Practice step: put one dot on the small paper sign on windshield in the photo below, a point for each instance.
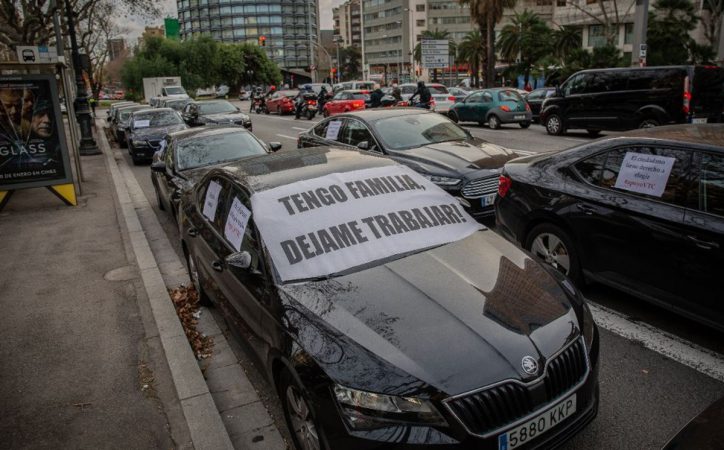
(141, 124)
(645, 174)
(333, 130)
(329, 224)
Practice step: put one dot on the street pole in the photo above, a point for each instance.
(641, 22)
(338, 79)
(312, 69)
(87, 144)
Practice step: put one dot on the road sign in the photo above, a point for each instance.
(434, 53)
(642, 51)
(36, 54)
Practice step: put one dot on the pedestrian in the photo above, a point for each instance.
(92, 101)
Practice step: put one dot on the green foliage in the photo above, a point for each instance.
(350, 63)
(471, 51)
(566, 39)
(200, 63)
(668, 33)
(526, 40)
(601, 57)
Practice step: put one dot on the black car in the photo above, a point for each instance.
(121, 119)
(429, 143)
(176, 104)
(378, 325)
(643, 213)
(146, 130)
(214, 112)
(635, 97)
(188, 154)
(535, 100)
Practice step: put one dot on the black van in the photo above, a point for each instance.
(635, 97)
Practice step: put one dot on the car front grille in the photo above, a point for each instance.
(154, 143)
(487, 411)
(481, 186)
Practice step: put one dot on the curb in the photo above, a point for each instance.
(204, 423)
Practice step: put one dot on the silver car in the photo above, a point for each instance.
(443, 99)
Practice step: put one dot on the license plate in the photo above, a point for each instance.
(701, 120)
(487, 200)
(519, 117)
(538, 425)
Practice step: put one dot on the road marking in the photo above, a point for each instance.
(287, 137)
(680, 350)
(301, 129)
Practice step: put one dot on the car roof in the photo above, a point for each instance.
(264, 172)
(709, 134)
(383, 113)
(356, 91)
(218, 100)
(156, 110)
(206, 131)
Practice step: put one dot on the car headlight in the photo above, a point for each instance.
(442, 181)
(366, 410)
(138, 143)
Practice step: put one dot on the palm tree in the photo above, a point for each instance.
(487, 13)
(566, 39)
(527, 39)
(472, 51)
(437, 34)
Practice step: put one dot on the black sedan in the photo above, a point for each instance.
(146, 130)
(643, 213)
(214, 112)
(384, 316)
(187, 155)
(535, 100)
(429, 143)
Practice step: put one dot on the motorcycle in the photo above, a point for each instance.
(309, 108)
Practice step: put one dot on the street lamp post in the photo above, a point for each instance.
(82, 111)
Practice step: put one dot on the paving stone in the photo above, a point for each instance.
(266, 438)
(246, 418)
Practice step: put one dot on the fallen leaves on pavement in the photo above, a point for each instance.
(186, 301)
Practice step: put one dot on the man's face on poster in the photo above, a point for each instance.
(41, 124)
(11, 105)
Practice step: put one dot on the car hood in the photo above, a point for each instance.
(442, 318)
(157, 132)
(225, 117)
(459, 157)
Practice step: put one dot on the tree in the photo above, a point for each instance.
(526, 39)
(580, 59)
(438, 35)
(712, 20)
(668, 36)
(472, 51)
(350, 62)
(607, 13)
(487, 13)
(566, 39)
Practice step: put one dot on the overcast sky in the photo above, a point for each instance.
(135, 25)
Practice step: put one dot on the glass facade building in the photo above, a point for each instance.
(284, 23)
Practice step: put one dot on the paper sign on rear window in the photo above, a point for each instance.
(333, 130)
(326, 225)
(212, 200)
(236, 223)
(645, 174)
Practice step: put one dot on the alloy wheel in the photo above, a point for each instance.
(194, 274)
(649, 123)
(493, 122)
(551, 249)
(302, 422)
(553, 125)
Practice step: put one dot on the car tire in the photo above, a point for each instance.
(524, 125)
(554, 125)
(649, 122)
(452, 115)
(594, 133)
(136, 160)
(195, 278)
(553, 246)
(158, 199)
(325, 113)
(299, 414)
(493, 122)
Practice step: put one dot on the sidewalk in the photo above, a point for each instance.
(82, 366)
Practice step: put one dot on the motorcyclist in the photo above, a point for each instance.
(322, 98)
(424, 94)
(300, 99)
(397, 92)
(262, 102)
(376, 98)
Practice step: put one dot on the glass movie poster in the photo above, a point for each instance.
(32, 142)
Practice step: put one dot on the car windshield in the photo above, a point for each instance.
(509, 96)
(177, 105)
(416, 130)
(438, 90)
(216, 107)
(175, 90)
(156, 119)
(360, 96)
(125, 115)
(203, 151)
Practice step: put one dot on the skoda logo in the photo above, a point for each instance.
(530, 366)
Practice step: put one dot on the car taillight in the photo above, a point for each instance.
(505, 108)
(687, 96)
(504, 184)
(451, 99)
(358, 103)
(527, 107)
(311, 102)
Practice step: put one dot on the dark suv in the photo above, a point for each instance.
(628, 98)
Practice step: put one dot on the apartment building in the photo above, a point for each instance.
(348, 23)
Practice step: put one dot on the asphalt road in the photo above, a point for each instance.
(646, 397)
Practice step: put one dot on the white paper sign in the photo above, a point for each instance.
(646, 174)
(326, 225)
(212, 200)
(236, 223)
(141, 124)
(333, 130)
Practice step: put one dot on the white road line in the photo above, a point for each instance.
(301, 129)
(680, 350)
(287, 137)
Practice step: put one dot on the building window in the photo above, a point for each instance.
(560, 3)
(628, 33)
(420, 22)
(543, 2)
(596, 36)
(419, 8)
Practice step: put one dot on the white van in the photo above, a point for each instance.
(368, 85)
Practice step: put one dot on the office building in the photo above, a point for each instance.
(348, 23)
(116, 48)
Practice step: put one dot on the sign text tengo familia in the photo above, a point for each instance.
(325, 225)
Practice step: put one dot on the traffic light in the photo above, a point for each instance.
(262, 41)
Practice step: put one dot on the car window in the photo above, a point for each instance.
(238, 229)
(509, 96)
(438, 90)
(338, 96)
(355, 132)
(210, 201)
(711, 184)
(217, 148)
(475, 98)
(607, 82)
(590, 169)
(487, 97)
(321, 129)
(577, 84)
(649, 172)
(168, 156)
(535, 95)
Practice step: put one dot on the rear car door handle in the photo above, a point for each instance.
(706, 245)
(588, 210)
(193, 232)
(217, 266)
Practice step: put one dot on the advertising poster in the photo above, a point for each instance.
(33, 149)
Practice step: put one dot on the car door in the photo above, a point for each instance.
(337, 104)
(628, 238)
(163, 179)
(704, 231)
(248, 290)
(574, 92)
(355, 132)
(465, 109)
(174, 180)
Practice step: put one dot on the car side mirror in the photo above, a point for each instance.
(364, 145)
(275, 146)
(158, 166)
(239, 260)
